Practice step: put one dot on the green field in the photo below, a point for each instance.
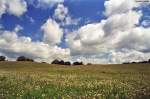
(29, 80)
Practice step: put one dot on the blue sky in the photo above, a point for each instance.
(87, 10)
(81, 14)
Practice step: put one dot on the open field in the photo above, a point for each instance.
(29, 80)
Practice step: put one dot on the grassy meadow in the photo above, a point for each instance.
(30, 80)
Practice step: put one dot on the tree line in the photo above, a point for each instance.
(58, 62)
(140, 62)
(61, 62)
(20, 58)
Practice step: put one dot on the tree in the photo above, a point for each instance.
(77, 63)
(2, 58)
(55, 61)
(67, 63)
(149, 61)
(23, 58)
(61, 62)
(30, 60)
(89, 64)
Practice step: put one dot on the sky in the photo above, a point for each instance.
(92, 31)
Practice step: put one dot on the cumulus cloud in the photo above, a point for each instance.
(44, 3)
(146, 22)
(114, 40)
(126, 55)
(18, 28)
(117, 7)
(15, 7)
(61, 13)
(13, 46)
(52, 32)
(71, 21)
(3, 7)
(136, 39)
(49, 3)
(85, 39)
(122, 22)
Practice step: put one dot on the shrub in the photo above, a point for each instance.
(89, 64)
(77, 63)
(61, 62)
(67, 63)
(28, 59)
(23, 58)
(149, 61)
(55, 61)
(2, 58)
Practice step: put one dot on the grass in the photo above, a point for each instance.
(29, 80)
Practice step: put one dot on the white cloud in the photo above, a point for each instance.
(122, 22)
(48, 2)
(136, 39)
(18, 28)
(119, 6)
(2, 7)
(13, 46)
(116, 39)
(45, 3)
(128, 56)
(69, 20)
(15, 7)
(146, 23)
(52, 32)
(86, 40)
(31, 20)
(61, 13)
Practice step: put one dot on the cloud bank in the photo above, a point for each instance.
(12, 46)
(52, 32)
(116, 39)
(14, 7)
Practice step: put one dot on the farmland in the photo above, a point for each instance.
(30, 80)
